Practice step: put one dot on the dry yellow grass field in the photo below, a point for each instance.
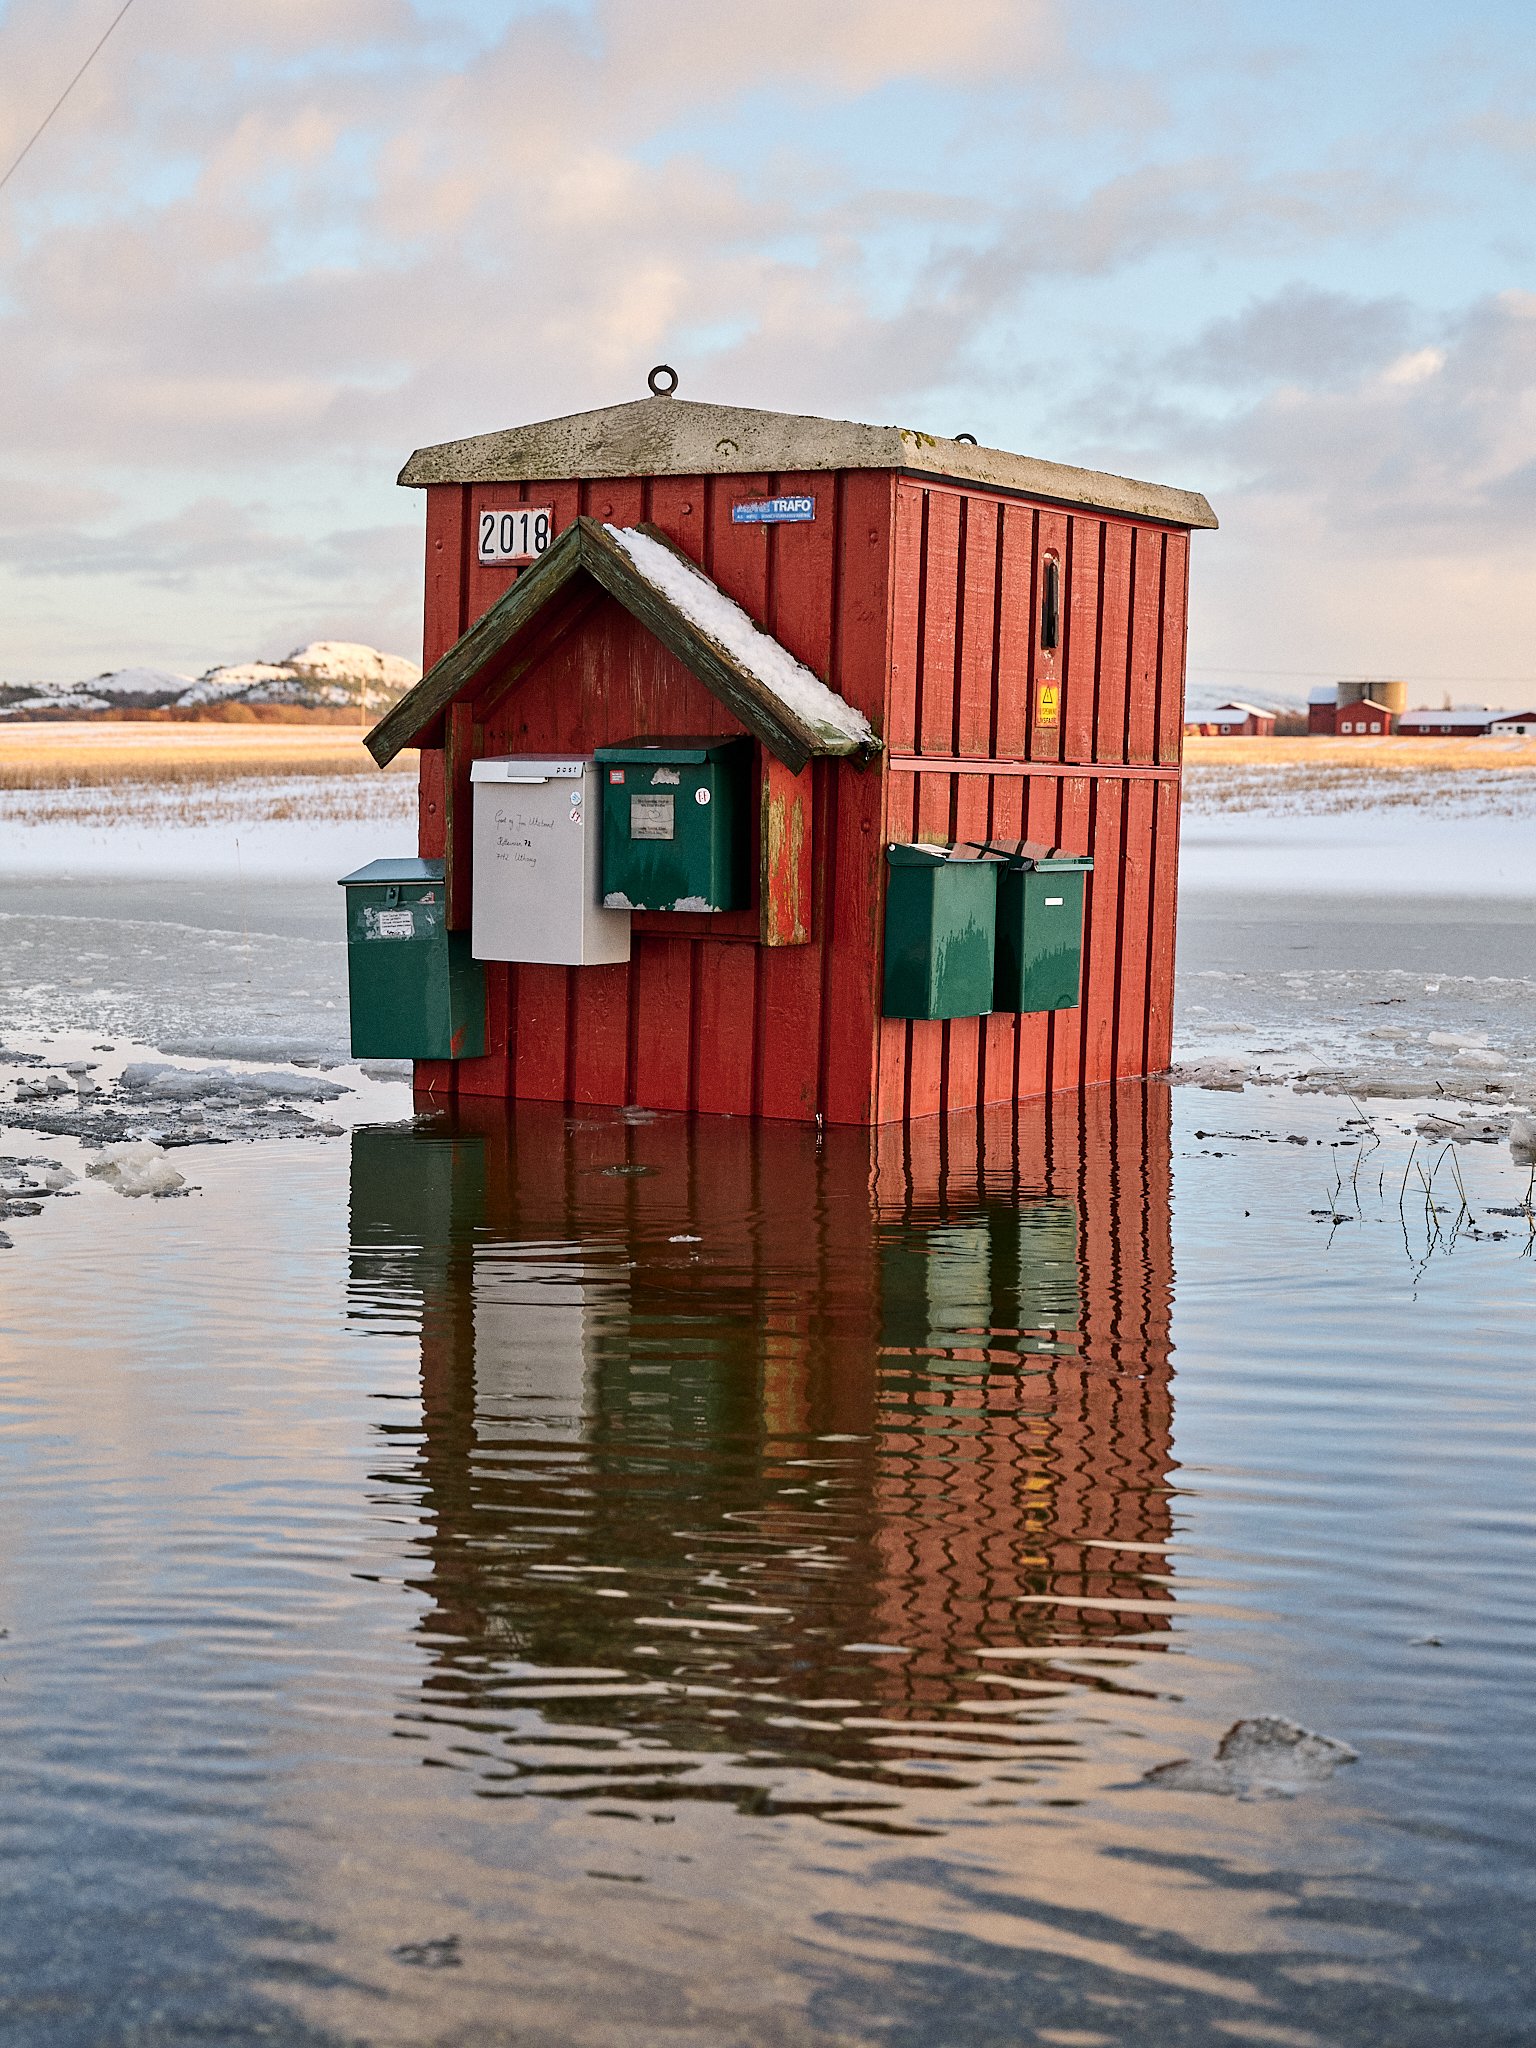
(1379, 756)
(99, 755)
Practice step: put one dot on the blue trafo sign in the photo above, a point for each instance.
(772, 511)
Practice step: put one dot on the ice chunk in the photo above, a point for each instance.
(252, 1047)
(1475, 1057)
(141, 1169)
(1228, 1074)
(1522, 1140)
(1265, 1758)
(154, 1080)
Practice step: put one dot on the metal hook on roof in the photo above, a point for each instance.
(663, 381)
(968, 439)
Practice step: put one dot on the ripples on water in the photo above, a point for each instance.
(592, 1580)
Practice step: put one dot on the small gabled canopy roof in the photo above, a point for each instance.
(793, 713)
(677, 437)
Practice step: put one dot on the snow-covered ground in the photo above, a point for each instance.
(1371, 932)
(1368, 947)
(1396, 850)
(308, 827)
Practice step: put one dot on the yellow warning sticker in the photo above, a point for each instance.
(1048, 704)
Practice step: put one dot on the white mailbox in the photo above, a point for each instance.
(538, 832)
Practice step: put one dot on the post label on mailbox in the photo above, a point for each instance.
(651, 817)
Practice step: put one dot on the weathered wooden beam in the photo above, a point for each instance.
(475, 650)
(587, 547)
(740, 693)
(784, 853)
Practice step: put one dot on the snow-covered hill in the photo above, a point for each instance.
(329, 675)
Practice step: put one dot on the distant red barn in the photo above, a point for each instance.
(1465, 721)
(1363, 719)
(1010, 636)
(1248, 720)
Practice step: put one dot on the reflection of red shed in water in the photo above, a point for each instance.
(1001, 1432)
(1012, 631)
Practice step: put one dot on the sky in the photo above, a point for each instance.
(1285, 255)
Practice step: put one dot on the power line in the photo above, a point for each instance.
(64, 95)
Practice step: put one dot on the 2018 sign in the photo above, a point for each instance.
(519, 534)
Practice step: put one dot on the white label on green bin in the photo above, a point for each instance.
(650, 817)
(395, 924)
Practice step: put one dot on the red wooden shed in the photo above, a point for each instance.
(998, 647)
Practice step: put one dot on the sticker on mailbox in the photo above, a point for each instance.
(650, 817)
(393, 924)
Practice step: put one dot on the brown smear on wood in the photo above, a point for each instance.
(785, 883)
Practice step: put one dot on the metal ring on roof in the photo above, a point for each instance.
(662, 380)
(968, 439)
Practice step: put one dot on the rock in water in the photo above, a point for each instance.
(1265, 1758)
(141, 1169)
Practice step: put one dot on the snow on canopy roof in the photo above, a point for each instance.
(678, 437)
(820, 709)
(793, 713)
(1247, 710)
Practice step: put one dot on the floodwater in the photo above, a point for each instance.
(583, 1579)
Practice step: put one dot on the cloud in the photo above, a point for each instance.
(271, 246)
(28, 504)
(1382, 522)
(1436, 443)
(1301, 335)
(213, 535)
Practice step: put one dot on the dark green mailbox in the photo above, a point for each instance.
(416, 992)
(677, 824)
(1039, 928)
(940, 920)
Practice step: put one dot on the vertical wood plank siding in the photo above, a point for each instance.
(921, 604)
(703, 1017)
(966, 676)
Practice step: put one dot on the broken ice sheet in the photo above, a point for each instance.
(136, 1169)
(152, 1079)
(1265, 1758)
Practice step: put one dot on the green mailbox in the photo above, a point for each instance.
(416, 992)
(940, 921)
(677, 824)
(1039, 927)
